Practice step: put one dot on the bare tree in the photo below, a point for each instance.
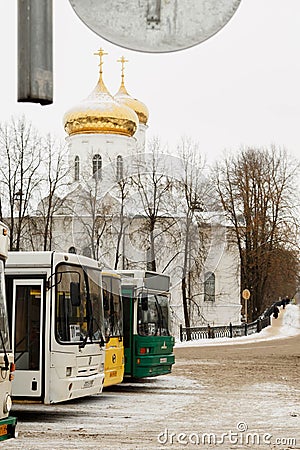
(91, 217)
(54, 178)
(120, 190)
(153, 187)
(194, 189)
(123, 193)
(21, 155)
(283, 274)
(257, 191)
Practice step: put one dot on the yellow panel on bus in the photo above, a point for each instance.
(114, 361)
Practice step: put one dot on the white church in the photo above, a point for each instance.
(105, 133)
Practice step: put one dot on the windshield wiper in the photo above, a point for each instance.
(6, 361)
(102, 340)
(89, 314)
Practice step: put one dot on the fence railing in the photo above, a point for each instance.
(230, 331)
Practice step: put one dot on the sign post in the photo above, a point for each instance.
(246, 295)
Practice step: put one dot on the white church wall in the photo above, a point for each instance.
(109, 147)
(140, 137)
(226, 307)
(222, 260)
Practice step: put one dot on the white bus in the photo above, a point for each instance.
(57, 328)
(7, 423)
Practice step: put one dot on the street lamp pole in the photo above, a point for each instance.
(35, 59)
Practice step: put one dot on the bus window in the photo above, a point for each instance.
(153, 321)
(77, 321)
(71, 324)
(106, 305)
(95, 289)
(112, 306)
(117, 322)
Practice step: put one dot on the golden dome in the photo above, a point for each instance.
(100, 113)
(124, 98)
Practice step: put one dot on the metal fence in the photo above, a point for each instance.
(230, 331)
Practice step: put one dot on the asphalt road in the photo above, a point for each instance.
(243, 396)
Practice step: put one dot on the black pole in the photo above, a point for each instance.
(258, 325)
(35, 51)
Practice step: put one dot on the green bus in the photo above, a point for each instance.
(148, 344)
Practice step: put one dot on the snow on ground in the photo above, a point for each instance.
(287, 324)
(210, 392)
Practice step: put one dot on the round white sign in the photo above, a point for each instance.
(155, 26)
(246, 294)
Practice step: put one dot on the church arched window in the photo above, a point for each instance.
(209, 287)
(97, 167)
(76, 168)
(119, 167)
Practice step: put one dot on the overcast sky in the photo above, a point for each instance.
(240, 87)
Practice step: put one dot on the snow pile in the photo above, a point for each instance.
(291, 319)
(288, 326)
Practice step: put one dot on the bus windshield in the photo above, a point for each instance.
(4, 341)
(79, 312)
(153, 315)
(113, 314)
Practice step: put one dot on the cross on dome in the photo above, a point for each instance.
(122, 60)
(100, 53)
(123, 97)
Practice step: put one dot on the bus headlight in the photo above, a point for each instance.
(7, 403)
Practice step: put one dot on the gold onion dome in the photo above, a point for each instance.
(100, 113)
(124, 98)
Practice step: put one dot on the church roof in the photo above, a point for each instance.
(101, 113)
(124, 98)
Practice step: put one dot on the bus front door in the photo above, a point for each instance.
(128, 305)
(27, 337)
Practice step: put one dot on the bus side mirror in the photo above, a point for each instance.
(144, 304)
(75, 293)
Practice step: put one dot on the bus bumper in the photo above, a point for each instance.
(113, 376)
(147, 366)
(8, 428)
